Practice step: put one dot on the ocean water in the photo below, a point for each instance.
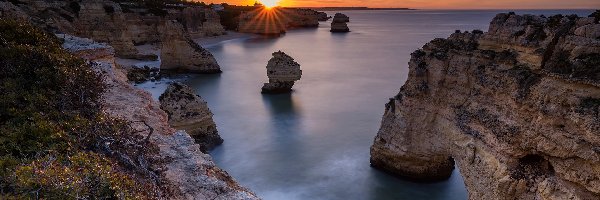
(314, 143)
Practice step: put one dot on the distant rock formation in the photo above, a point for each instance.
(517, 108)
(322, 16)
(201, 22)
(188, 111)
(124, 25)
(339, 23)
(282, 71)
(180, 53)
(182, 170)
(276, 21)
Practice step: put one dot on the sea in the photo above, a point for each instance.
(314, 143)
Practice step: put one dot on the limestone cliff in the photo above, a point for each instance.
(201, 22)
(517, 108)
(188, 111)
(182, 170)
(125, 27)
(282, 71)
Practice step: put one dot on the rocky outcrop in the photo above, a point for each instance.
(322, 16)
(107, 21)
(339, 23)
(282, 71)
(182, 170)
(180, 53)
(517, 109)
(276, 21)
(188, 111)
(201, 22)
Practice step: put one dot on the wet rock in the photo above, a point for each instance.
(282, 71)
(188, 111)
(143, 74)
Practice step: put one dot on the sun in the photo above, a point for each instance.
(270, 3)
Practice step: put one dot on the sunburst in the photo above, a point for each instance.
(270, 3)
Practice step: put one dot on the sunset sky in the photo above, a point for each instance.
(441, 4)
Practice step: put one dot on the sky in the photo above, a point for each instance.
(440, 4)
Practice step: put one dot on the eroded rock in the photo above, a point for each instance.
(180, 53)
(182, 171)
(188, 111)
(282, 71)
(339, 23)
(517, 108)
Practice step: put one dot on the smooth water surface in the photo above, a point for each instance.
(314, 143)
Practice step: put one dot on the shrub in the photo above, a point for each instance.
(51, 124)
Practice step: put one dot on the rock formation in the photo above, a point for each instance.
(188, 111)
(322, 16)
(182, 170)
(282, 71)
(517, 108)
(180, 53)
(339, 23)
(201, 22)
(124, 27)
(276, 21)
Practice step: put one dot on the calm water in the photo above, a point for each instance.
(314, 143)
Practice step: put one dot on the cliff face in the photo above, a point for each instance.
(517, 108)
(188, 111)
(180, 53)
(182, 170)
(106, 21)
(201, 22)
(276, 21)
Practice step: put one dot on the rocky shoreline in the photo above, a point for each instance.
(516, 108)
(184, 170)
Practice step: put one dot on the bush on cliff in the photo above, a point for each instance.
(51, 126)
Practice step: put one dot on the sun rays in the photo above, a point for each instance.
(266, 20)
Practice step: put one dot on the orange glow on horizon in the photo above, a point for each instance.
(270, 3)
(426, 4)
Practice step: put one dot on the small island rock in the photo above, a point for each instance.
(188, 111)
(338, 24)
(282, 71)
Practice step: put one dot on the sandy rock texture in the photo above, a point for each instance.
(517, 108)
(188, 111)
(282, 71)
(183, 171)
(180, 53)
(125, 27)
(339, 23)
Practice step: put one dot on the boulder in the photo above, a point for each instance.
(282, 71)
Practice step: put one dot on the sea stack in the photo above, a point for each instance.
(180, 53)
(188, 111)
(282, 71)
(338, 24)
(517, 109)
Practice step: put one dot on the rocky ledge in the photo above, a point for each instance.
(188, 111)
(517, 108)
(180, 168)
(339, 23)
(282, 71)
